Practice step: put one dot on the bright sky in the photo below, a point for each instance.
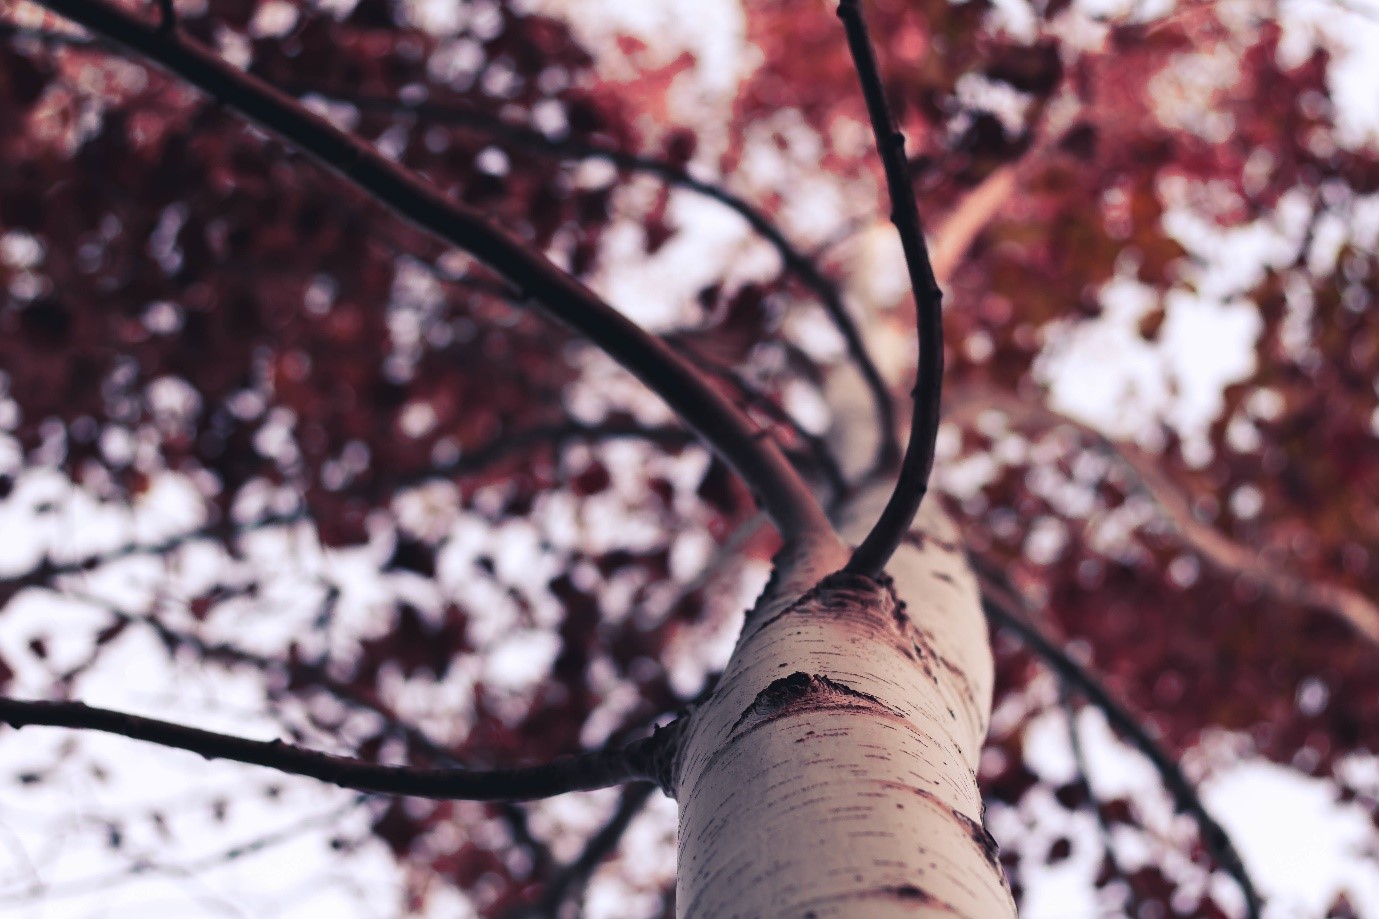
(1303, 848)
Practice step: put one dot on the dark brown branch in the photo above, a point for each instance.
(502, 447)
(537, 435)
(815, 446)
(878, 546)
(355, 697)
(167, 16)
(571, 879)
(1084, 777)
(44, 573)
(800, 264)
(640, 761)
(102, 882)
(722, 426)
(1007, 609)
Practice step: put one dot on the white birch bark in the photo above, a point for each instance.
(833, 772)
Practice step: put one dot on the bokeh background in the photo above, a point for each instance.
(273, 462)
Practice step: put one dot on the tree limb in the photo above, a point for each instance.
(794, 261)
(913, 481)
(1007, 609)
(722, 425)
(1216, 547)
(637, 762)
(103, 882)
(571, 879)
(802, 265)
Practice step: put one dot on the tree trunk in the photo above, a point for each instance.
(833, 773)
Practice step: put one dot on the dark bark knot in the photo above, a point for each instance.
(654, 757)
(912, 894)
(801, 692)
(984, 840)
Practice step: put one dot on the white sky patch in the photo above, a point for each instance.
(1351, 31)
(1302, 846)
(1103, 371)
(717, 40)
(659, 291)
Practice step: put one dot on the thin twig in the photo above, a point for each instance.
(802, 265)
(103, 882)
(1149, 480)
(762, 464)
(794, 261)
(582, 772)
(167, 17)
(571, 879)
(878, 546)
(319, 675)
(44, 573)
(1084, 774)
(816, 447)
(1007, 609)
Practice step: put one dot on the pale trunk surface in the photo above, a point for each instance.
(833, 773)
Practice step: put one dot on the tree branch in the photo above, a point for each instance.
(1216, 547)
(794, 261)
(1007, 609)
(876, 549)
(167, 16)
(103, 882)
(802, 265)
(722, 425)
(639, 761)
(353, 696)
(571, 879)
(45, 572)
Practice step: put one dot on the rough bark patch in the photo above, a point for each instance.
(800, 692)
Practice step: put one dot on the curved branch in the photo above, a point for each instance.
(1216, 547)
(794, 261)
(44, 573)
(801, 265)
(637, 762)
(878, 546)
(571, 879)
(1007, 609)
(102, 882)
(721, 424)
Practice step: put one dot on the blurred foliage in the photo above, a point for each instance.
(185, 296)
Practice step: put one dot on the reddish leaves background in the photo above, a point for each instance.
(184, 294)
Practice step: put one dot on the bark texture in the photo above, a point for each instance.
(833, 773)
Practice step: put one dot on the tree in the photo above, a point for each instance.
(390, 474)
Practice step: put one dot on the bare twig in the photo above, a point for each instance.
(1216, 547)
(815, 446)
(876, 549)
(1084, 775)
(43, 574)
(1007, 609)
(637, 762)
(99, 883)
(527, 438)
(167, 17)
(355, 697)
(802, 265)
(722, 425)
(571, 879)
(796, 262)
